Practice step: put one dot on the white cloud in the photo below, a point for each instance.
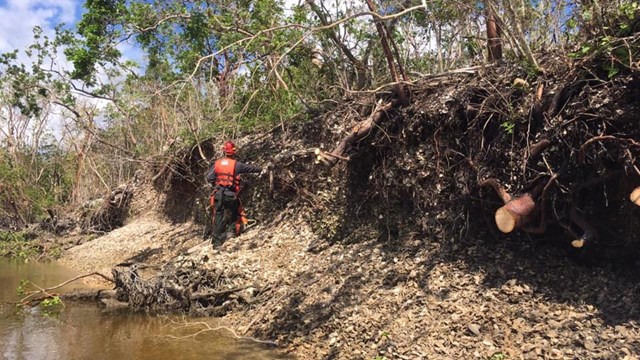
(18, 17)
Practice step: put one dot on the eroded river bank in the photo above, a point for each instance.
(83, 330)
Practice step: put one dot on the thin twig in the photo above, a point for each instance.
(208, 328)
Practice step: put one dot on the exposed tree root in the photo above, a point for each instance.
(502, 193)
(358, 132)
(112, 212)
(182, 286)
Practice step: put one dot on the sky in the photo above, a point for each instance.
(18, 17)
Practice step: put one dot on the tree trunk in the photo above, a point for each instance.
(361, 68)
(494, 32)
(388, 55)
(81, 157)
(438, 31)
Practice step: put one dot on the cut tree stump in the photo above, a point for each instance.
(635, 196)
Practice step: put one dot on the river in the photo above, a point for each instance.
(77, 330)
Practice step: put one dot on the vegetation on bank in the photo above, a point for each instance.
(16, 245)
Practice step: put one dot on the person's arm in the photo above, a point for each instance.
(211, 175)
(242, 168)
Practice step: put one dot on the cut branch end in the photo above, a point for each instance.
(578, 243)
(635, 196)
(506, 220)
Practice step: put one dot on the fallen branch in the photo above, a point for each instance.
(47, 290)
(286, 154)
(212, 294)
(471, 70)
(322, 156)
(516, 212)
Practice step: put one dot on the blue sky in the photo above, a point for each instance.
(18, 17)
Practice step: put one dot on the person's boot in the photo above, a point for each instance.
(217, 240)
(230, 235)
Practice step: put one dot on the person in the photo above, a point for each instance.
(224, 175)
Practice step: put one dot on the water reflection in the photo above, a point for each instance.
(84, 331)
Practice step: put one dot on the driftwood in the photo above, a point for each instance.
(47, 291)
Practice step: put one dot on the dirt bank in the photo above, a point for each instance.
(394, 252)
(419, 301)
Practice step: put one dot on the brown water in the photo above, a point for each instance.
(85, 331)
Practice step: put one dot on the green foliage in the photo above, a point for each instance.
(498, 356)
(22, 286)
(51, 302)
(51, 306)
(98, 26)
(17, 246)
(380, 357)
(606, 43)
(39, 180)
(508, 127)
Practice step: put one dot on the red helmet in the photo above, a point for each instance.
(229, 148)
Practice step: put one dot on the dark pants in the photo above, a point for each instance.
(224, 201)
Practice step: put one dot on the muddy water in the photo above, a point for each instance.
(85, 331)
